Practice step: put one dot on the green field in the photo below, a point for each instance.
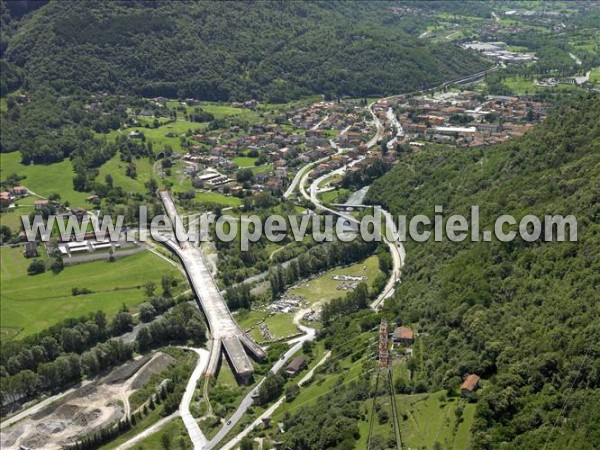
(177, 436)
(226, 376)
(332, 196)
(595, 75)
(324, 287)
(32, 303)
(158, 135)
(321, 384)
(12, 217)
(116, 168)
(517, 48)
(250, 318)
(146, 422)
(424, 420)
(44, 179)
(520, 85)
(245, 161)
(280, 326)
(215, 197)
(145, 171)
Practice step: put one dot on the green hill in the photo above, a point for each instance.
(523, 315)
(227, 50)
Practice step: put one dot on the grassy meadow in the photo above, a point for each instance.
(44, 179)
(32, 303)
(324, 288)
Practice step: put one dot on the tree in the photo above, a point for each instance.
(165, 440)
(246, 444)
(122, 323)
(149, 289)
(36, 267)
(151, 186)
(144, 339)
(383, 416)
(307, 347)
(147, 312)
(244, 175)
(57, 264)
(291, 392)
(5, 233)
(270, 388)
(166, 282)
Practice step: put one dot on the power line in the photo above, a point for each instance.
(564, 408)
(384, 367)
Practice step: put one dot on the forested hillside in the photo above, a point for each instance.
(524, 316)
(226, 50)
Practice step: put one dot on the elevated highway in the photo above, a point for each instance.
(226, 333)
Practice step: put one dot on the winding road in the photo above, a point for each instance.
(309, 335)
(396, 247)
(269, 412)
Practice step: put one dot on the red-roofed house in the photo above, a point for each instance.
(403, 335)
(4, 199)
(470, 385)
(19, 191)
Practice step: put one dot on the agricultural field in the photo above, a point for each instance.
(43, 179)
(33, 303)
(324, 288)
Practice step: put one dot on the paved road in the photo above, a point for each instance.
(248, 400)
(398, 255)
(316, 127)
(226, 333)
(269, 412)
(306, 169)
(396, 248)
(196, 435)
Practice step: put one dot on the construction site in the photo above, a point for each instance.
(87, 409)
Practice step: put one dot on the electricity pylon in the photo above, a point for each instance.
(385, 369)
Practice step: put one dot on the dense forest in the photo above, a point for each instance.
(225, 50)
(522, 315)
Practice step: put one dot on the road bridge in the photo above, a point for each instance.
(227, 335)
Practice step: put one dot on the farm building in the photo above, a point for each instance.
(470, 385)
(403, 335)
(297, 364)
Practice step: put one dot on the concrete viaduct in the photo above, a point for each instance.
(226, 333)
